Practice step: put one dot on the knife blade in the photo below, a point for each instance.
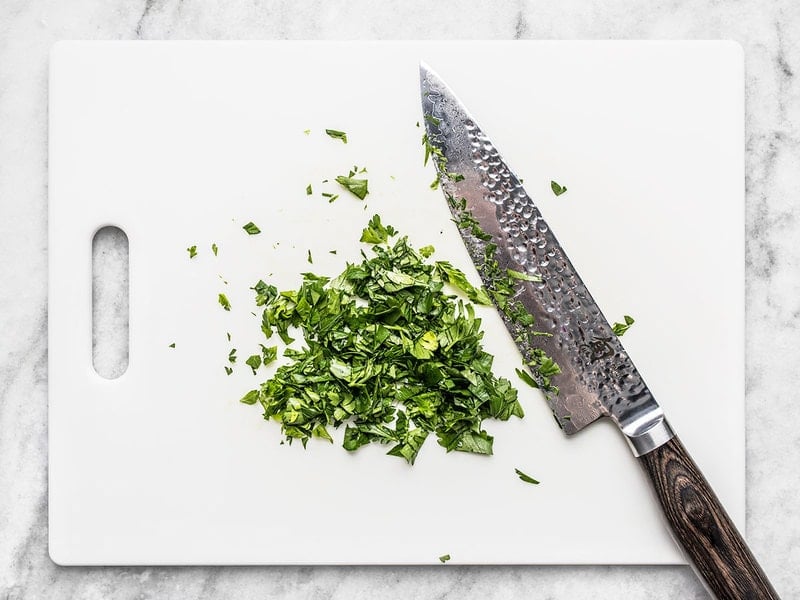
(528, 274)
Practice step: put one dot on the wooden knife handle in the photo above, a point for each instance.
(702, 527)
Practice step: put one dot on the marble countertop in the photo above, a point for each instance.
(772, 54)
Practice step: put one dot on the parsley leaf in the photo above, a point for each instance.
(357, 187)
(526, 478)
(192, 250)
(444, 558)
(223, 302)
(254, 362)
(309, 191)
(375, 232)
(619, 329)
(214, 249)
(457, 278)
(251, 228)
(338, 135)
(557, 189)
(172, 345)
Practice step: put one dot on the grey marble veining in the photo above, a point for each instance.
(768, 32)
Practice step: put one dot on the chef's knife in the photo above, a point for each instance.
(513, 247)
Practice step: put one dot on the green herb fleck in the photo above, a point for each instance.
(214, 249)
(192, 250)
(526, 478)
(338, 135)
(251, 228)
(309, 258)
(457, 278)
(307, 131)
(522, 276)
(268, 354)
(228, 370)
(251, 397)
(232, 356)
(557, 189)
(619, 329)
(223, 302)
(172, 345)
(229, 336)
(444, 558)
(309, 191)
(357, 187)
(427, 251)
(375, 232)
(254, 362)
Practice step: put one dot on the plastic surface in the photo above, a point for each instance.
(183, 143)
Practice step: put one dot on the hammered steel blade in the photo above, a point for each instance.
(597, 377)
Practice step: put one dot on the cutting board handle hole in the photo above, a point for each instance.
(110, 302)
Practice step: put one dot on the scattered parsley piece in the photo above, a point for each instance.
(375, 232)
(357, 187)
(557, 189)
(526, 478)
(427, 251)
(268, 354)
(250, 397)
(192, 250)
(251, 228)
(229, 336)
(337, 135)
(214, 249)
(307, 131)
(619, 329)
(526, 377)
(444, 558)
(309, 259)
(522, 276)
(457, 278)
(254, 362)
(228, 370)
(331, 251)
(309, 191)
(172, 345)
(232, 356)
(223, 302)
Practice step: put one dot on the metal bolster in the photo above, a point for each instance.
(648, 432)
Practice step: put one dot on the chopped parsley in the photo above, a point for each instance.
(357, 187)
(557, 189)
(309, 259)
(619, 329)
(223, 302)
(228, 370)
(375, 232)
(526, 478)
(232, 356)
(254, 362)
(172, 345)
(444, 558)
(307, 131)
(386, 352)
(192, 250)
(337, 135)
(309, 191)
(251, 228)
(214, 249)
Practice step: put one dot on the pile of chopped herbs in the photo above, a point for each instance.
(387, 352)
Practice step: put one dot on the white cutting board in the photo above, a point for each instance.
(183, 143)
